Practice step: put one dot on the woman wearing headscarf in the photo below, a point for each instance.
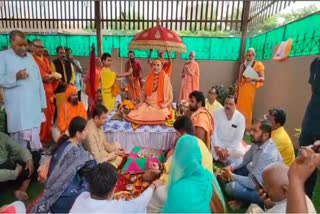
(190, 187)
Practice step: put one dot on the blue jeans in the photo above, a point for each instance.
(242, 193)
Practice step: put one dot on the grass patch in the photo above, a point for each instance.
(7, 196)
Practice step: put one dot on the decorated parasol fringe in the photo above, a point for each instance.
(158, 37)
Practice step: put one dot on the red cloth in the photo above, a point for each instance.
(92, 72)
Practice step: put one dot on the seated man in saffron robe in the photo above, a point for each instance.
(158, 98)
(70, 109)
(201, 118)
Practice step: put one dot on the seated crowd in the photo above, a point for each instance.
(82, 169)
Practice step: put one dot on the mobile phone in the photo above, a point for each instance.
(315, 146)
(255, 181)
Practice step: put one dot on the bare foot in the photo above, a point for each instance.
(235, 205)
(21, 196)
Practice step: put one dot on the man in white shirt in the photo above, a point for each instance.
(275, 191)
(102, 181)
(229, 127)
(212, 104)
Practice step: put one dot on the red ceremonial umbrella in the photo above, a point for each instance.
(160, 38)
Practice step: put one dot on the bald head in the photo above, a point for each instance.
(275, 181)
(277, 173)
(192, 55)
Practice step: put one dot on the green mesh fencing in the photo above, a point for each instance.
(4, 41)
(205, 48)
(212, 48)
(305, 34)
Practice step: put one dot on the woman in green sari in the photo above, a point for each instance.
(190, 185)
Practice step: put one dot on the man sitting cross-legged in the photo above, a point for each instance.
(96, 142)
(261, 154)
(227, 136)
(157, 102)
(102, 180)
(275, 191)
(279, 135)
(70, 109)
(16, 166)
(201, 118)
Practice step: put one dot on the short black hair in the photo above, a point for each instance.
(68, 49)
(99, 110)
(231, 97)
(77, 124)
(199, 96)
(102, 179)
(131, 52)
(280, 116)
(16, 33)
(265, 126)
(58, 48)
(184, 123)
(105, 56)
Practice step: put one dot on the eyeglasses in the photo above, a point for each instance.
(38, 46)
(210, 92)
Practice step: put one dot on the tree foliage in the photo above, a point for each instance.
(281, 19)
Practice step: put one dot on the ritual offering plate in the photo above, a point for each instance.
(129, 187)
(123, 195)
(135, 188)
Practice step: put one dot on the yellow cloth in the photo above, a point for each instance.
(284, 145)
(213, 107)
(73, 74)
(108, 79)
(207, 161)
(98, 146)
(61, 97)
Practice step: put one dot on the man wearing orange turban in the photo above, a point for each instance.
(70, 109)
(158, 95)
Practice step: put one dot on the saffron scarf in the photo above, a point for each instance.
(148, 90)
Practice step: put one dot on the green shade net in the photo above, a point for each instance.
(212, 48)
(305, 34)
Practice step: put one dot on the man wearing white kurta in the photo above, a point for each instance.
(24, 96)
(229, 127)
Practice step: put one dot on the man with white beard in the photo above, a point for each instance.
(251, 78)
